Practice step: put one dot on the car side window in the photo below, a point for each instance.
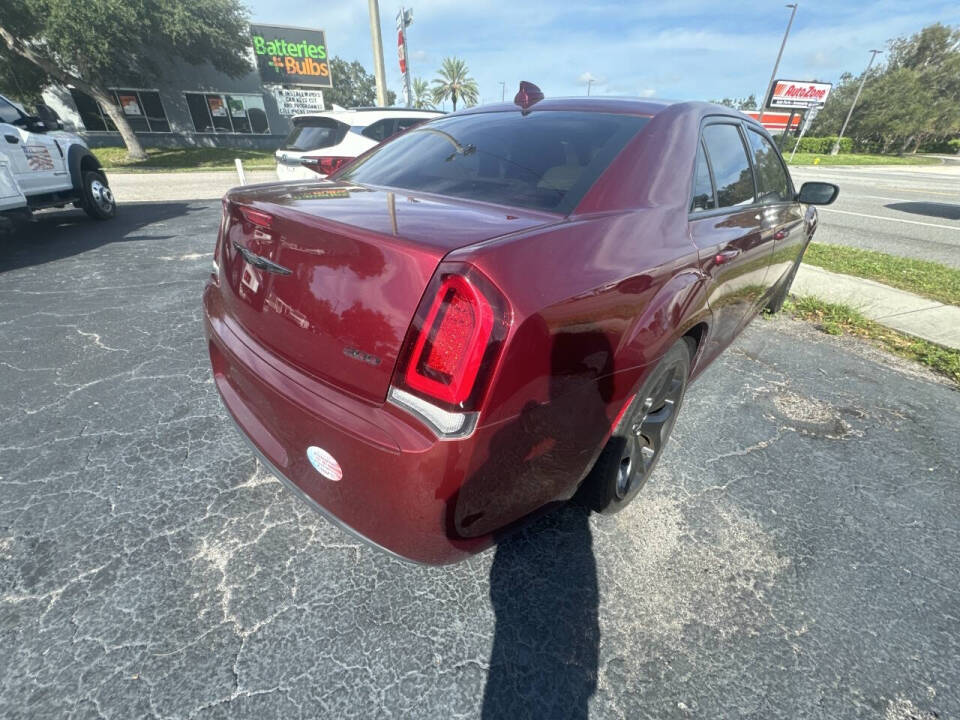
(380, 130)
(703, 197)
(731, 167)
(404, 123)
(773, 185)
(8, 113)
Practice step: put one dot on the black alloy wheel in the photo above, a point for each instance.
(632, 452)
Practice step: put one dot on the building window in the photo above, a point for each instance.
(221, 113)
(142, 108)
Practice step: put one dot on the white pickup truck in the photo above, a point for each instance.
(42, 166)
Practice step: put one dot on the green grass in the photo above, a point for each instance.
(921, 277)
(857, 159)
(169, 159)
(836, 319)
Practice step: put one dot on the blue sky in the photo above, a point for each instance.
(677, 49)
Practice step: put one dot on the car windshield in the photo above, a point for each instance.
(546, 160)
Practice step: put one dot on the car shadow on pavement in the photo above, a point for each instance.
(543, 581)
(946, 211)
(543, 586)
(53, 235)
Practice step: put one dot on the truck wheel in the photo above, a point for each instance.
(628, 458)
(98, 200)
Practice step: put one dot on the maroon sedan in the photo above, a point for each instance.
(497, 310)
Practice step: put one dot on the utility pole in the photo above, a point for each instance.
(378, 70)
(836, 145)
(503, 90)
(776, 65)
(404, 18)
(589, 83)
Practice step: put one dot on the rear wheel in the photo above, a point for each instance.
(98, 200)
(629, 457)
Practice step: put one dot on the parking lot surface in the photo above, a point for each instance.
(911, 211)
(794, 555)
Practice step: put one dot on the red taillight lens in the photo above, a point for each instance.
(258, 218)
(452, 345)
(324, 165)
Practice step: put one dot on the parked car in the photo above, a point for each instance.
(321, 143)
(498, 310)
(43, 166)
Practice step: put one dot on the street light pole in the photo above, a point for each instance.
(378, 70)
(836, 145)
(589, 83)
(503, 90)
(776, 65)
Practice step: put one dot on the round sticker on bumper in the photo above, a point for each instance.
(324, 463)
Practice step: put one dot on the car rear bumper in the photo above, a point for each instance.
(399, 483)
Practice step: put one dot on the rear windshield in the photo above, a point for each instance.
(546, 160)
(315, 133)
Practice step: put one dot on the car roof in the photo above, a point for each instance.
(369, 115)
(617, 105)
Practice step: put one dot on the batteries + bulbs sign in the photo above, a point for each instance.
(291, 56)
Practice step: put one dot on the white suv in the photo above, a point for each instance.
(43, 166)
(321, 143)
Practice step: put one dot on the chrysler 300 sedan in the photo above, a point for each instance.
(497, 311)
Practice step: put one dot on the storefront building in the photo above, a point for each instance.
(189, 106)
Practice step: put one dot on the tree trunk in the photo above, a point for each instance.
(135, 150)
(916, 145)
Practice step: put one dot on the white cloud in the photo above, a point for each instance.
(589, 78)
(648, 92)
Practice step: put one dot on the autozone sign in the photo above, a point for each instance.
(798, 94)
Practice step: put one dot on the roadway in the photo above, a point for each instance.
(912, 211)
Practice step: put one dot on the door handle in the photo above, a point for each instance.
(781, 234)
(725, 256)
(12, 139)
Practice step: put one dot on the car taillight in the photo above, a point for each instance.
(256, 217)
(324, 165)
(453, 343)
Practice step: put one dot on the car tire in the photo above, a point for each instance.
(98, 201)
(630, 455)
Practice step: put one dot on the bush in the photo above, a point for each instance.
(941, 145)
(823, 145)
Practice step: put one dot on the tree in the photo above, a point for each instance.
(422, 97)
(20, 79)
(454, 83)
(913, 99)
(747, 103)
(353, 86)
(92, 44)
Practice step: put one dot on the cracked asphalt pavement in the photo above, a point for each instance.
(795, 554)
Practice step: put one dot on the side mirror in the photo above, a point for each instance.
(817, 193)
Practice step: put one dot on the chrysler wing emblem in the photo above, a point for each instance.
(260, 262)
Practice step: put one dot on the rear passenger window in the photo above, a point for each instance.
(702, 184)
(404, 123)
(772, 183)
(731, 168)
(380, 130)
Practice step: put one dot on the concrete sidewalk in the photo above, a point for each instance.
(129, 187)
(897, 309)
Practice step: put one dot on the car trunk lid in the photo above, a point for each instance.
(328, 276)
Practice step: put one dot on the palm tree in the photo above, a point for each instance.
(454, 82)
(422, 97)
